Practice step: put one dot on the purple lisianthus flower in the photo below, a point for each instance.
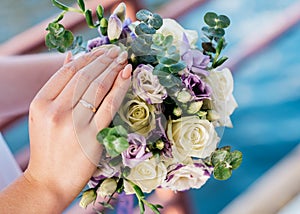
(136, 151)
(198, 88)
(196, 61)
(159, 134)
(96, 42)
(126, 32)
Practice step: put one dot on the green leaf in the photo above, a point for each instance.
(223, 21)
(166, 60)
(59, 18)
(156, 21)
(153, 208)
(168, 41)
(222, 171)
(100, 12)
(210, 19)
(81, 4)
(68, 38)
(145, 29)
(208, 47)
(89, 18)
(115, 161)
(236, 159)
(143, 15)
(175, 68)
(138, 191)
(219, 156)
(102, 134)
(220, 61)
(220, 45)
(60, 5)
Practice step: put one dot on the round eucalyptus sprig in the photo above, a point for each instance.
(224, 161)
(214, 34)
(61, 39)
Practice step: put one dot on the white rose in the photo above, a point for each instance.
(148, 175)
(171, 27)
(192, 137)
(183, 177)
(223, 102)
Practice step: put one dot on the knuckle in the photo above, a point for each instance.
(69, 68)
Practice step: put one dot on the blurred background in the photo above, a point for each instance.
(263, 51)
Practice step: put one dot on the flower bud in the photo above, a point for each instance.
(120, 11)
(194, 107)
(212, 115)
(107, 188)
(184, 96)
(88, 197)
(114, 28)
(159, 144)
(177, 111)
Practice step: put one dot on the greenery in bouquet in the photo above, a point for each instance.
(164, 135)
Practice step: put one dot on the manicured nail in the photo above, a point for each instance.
(68, 58)
(126, 73)
(113, 52)
(122, 58)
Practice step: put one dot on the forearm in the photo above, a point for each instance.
(24, 196)
(21, 77)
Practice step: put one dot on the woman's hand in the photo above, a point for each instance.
(66, 115)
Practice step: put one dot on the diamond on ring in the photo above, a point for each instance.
(88, 105)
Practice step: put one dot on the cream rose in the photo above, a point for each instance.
(139, 116)
(171, 27)
(192, 137)
(183, 177)
(223, 102)
(148, 175)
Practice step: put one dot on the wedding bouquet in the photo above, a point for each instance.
(165, 133)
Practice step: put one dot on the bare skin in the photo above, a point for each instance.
(58, 156)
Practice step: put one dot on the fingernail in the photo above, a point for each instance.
(122, 58)
(126, 73)
(113, 52)
(68, 58)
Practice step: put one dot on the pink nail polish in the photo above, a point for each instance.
(126, 73)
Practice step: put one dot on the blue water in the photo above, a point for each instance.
(267, 88)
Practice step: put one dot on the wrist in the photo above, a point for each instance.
(46, 194)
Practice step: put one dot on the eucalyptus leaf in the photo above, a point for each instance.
(175, 68)
(210, 19)
(223, 21)
(222, 172)
(219, 156)
(146, 29)
(236, 159)
(143, 15)
(156, 21)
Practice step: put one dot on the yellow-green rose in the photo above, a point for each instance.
(192, 137)
(148, 175)
(139, 116)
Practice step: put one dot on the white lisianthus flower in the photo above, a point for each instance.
(114, 28)
(139, 116)
(223, 102)
(147, 86)
(172, 27)
(192, 137)
(148, 175)
(183, 177)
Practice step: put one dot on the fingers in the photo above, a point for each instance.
(113, 99)
(68, 58)
(105, 68)
(61, 78)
